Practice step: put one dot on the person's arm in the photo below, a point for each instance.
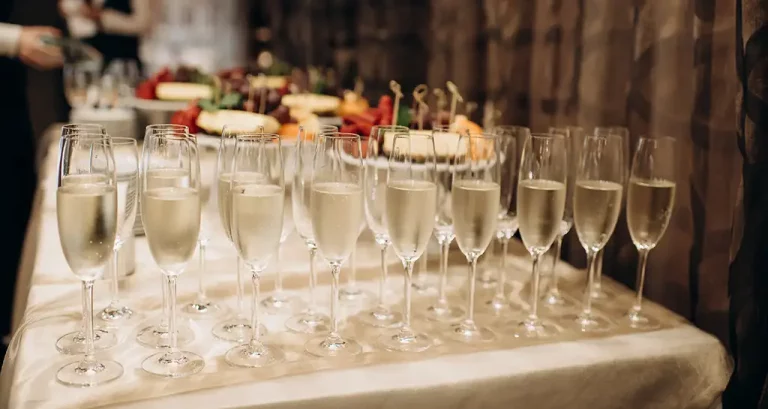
(9, 39)
(137, 23)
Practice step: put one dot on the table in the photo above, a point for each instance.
(675, 367)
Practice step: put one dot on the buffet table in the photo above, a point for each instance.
(675, 367)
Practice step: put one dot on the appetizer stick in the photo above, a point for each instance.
(455, 97)
(421, 108)
(395, 87)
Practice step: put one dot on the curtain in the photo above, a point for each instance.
(655, 66)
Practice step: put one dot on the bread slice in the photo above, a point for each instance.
(314, 103)
(239, 121)
(446, 145)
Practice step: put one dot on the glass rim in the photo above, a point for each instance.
(341, 135)
(86, 135)
(166, 126)
(657, 138)
(546, 135)
(480, 135)
(175, 135)
(417, 134)
(510, 127)
(257, 136)
(84, 125)
(123, 140)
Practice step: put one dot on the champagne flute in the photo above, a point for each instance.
(257, 225)
(280, 301)
(574, 139)
(126, 155)
(375, 203)
(171, 218)
(237, 328)
(336, 208)
(650, 202)
(203, 307)
(507, 224)
(157, 335)
(352, 294)
(73, 343)
(78, 81)
(541, 195)
(596, 208)
(597, 289)
(309, 321)
(86, 210)
(446, 141)
(411, 204)
(475, 199)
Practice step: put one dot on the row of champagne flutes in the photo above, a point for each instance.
(416, 179)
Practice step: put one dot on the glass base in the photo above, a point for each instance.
(333, 346)
(400, 341)
(380, 317)
(443, 312)
(599, 294)
(309, 323)
(173, 364)
(247, 356)
(235, 330)
(423, 286)
(639, 320)
(554, 298)
(587, 323)
(73, 343)
(204, 310)
(115, 315)
(487, 281)
(281, 303)
(86, 374)
(496, 306)
(530, 328)
(156, 336)
(470, 333)
(353, 295)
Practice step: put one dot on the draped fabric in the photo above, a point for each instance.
(749, 270)
(656, 67)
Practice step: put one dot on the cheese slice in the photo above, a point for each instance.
(271, 81)
(237, 121)
(314, 103)
(182, 91)
(446, 144)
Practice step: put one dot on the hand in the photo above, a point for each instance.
(35, 53)
(90, 12)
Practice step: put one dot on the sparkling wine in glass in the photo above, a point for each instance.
(574, 139)
(126, 155)
(336, 211)
(506, 226)
(411, 204)
(596, 207)
(257, 224)
(86, 210)
(446, 141)
(237, 328)
(309, 321)
(598, 293)
(650, 202)
(157, 335)
(541, 196)
(171, 218)
(475, 198)
(73, 343)
(376, 166)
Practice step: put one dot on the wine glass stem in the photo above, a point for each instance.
(352, 278)
(555, 286)
(598, 271)
(638, 306)
(115, 268)
(312, 279)
(88, 315)
(256, 287)
(278, 274)
(172, 314)
(240, 313)
(535, 278)
(201, 296)
(335, 272)
(164, 318)
(472, 259)
(445, 246)
(383, 279)
(591, 257)
(408, 264)
(502, 268)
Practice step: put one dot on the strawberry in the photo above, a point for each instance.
(164, 75)
(146, 90)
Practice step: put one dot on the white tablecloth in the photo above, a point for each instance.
(676, 367)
